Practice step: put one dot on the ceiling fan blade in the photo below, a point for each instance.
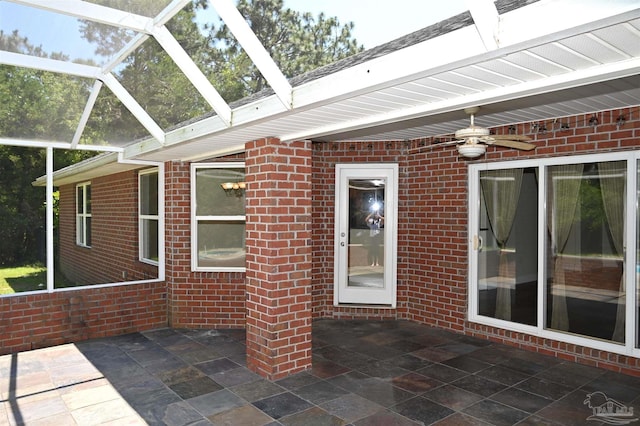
(521, 138)
(435, 145)
(524, 146)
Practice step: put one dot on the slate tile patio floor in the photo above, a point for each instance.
(364, 373)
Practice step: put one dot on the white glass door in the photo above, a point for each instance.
(365, 235)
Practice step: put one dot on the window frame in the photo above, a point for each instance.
(81, 218)
(632, 159)
(196, 219)
(142, 237)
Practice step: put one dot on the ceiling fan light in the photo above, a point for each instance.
(471, 150)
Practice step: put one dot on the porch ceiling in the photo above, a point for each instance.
(587, 60)
(532, 61)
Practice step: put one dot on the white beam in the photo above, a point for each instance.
(162, 18)
(49, 222)
(93, 12)
(97, 85)
(485, 16)
(46, 64)
(170, 11)
(117, 59)
(193, 73)
(133, 106)
(254, 48)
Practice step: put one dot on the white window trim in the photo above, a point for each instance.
(143, 217)
(631, 157)
(196, 219)
(81, 240)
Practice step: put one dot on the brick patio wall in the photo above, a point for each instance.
(40, 320)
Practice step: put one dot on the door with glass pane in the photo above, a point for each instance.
(506, 244)
(365, 234)
(585, 286)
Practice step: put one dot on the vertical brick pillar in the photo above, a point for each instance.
(177, 236)
(278, 278)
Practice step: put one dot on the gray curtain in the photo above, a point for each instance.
(612, 187)
(564, 186)
(501, 190)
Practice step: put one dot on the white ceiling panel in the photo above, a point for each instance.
(623, 37)
(563, 55)
(595, 48)
(535, 63)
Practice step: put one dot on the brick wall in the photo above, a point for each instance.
(113, 256)
(196, 299)
(432, 224)
(278, 257)
(39, 320)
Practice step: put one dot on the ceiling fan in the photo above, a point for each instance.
(472, 141)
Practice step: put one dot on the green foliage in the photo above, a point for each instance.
(31, 277)
(297, 42)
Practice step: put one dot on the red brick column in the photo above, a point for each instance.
(278, 278)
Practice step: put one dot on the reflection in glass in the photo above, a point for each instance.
(366, 233)
(149, 215)
(507, 260)
(211, 199)
(585, 283)
(220, 210)
(221, 244)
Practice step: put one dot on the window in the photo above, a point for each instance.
(547, 253)
(83, 214)
(148, 215)
(218, 216)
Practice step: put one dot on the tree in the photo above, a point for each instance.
(34, 105)
(297, 42)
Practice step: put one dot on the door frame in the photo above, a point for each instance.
(387, 296)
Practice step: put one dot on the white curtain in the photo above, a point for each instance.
(564, 186)
(501, 190)
(612, 187)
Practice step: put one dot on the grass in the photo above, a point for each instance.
(18, 279)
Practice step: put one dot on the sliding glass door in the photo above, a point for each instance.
(547, 248)
(586, 223)
(507, 258)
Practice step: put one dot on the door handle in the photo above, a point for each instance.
(477, 242)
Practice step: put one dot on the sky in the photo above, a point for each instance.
(380, 21)
(376, 21)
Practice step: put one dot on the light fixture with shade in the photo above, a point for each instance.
(234, 188)
(472, 150)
